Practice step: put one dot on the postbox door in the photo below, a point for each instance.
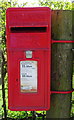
(26, 98)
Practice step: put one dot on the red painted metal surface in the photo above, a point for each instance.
(62, 92)
(29, 29)
(62, 41)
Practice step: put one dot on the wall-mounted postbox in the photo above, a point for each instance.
(29, 49)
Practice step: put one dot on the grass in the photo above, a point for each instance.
(72, 110)
(1, 102)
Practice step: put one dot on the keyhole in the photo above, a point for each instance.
(17, 80)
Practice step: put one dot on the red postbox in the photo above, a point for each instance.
(29, 52)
